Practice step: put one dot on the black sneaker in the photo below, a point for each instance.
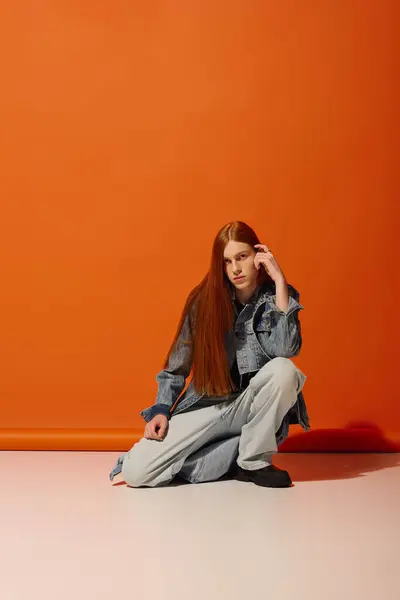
(269, 476)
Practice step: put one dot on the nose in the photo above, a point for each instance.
(236, 268)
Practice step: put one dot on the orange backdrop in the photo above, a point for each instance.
(131, 132)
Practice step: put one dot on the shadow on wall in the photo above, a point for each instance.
(330, 467)
(357, 436)
(354, 451)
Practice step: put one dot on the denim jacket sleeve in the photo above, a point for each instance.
(284, 329)
(171, 380)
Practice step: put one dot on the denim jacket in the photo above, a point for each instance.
(262, 332)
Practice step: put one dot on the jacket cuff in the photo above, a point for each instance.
(292, 307)
(159, 409)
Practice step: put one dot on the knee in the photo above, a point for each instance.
(134, 472)
(283, 372)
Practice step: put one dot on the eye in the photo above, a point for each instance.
(243, 256)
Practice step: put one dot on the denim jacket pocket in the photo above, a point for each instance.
(265, 323)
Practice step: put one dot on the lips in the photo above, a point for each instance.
(238, 278)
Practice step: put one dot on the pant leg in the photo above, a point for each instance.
(152, 463)
(212, 461)
(258, 413)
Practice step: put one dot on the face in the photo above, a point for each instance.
(239, 265)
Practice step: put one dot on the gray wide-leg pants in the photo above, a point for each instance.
(202, 444)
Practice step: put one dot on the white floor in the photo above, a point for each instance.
(67, 533)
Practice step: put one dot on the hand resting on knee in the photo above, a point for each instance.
(157, 428)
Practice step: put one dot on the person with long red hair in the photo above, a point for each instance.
(238, 330)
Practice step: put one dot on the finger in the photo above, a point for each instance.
(263, 246)
(263, 257)
(153, 432)
(163, 431)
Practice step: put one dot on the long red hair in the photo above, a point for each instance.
(209, 306)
